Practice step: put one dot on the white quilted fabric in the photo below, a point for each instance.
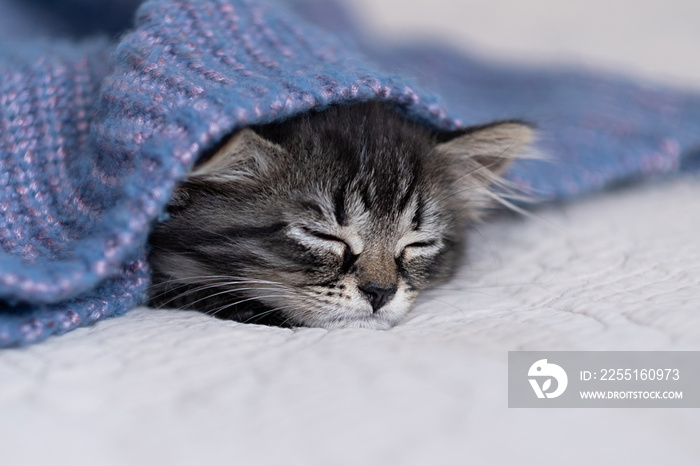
(617, 271)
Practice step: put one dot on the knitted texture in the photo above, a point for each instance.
(95, 134)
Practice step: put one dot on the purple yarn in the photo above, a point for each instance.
(94, 134)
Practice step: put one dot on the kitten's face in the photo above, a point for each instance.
(336, 219)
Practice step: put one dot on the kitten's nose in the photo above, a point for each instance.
(377, 295)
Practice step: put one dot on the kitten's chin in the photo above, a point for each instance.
(368, 323)
(382, 320)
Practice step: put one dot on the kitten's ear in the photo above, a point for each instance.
(244, 157)
(489, 148)
(478, 156)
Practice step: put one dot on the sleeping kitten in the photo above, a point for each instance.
(330, 219)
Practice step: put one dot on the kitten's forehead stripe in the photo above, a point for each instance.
(418, 213)
(408, 194)
(339, 207)
(365, 196)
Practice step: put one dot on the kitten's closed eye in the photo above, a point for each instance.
(329, 238)
(369, 208)
(422, 244)
(326, 237)
(337, 245)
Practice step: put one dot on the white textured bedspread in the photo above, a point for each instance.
(617, 271)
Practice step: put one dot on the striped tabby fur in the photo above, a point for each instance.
(330, 219)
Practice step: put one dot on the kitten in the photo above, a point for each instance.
(330, 219)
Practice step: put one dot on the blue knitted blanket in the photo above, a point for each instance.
(104, 107)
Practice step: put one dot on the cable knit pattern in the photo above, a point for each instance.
(94, 134)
